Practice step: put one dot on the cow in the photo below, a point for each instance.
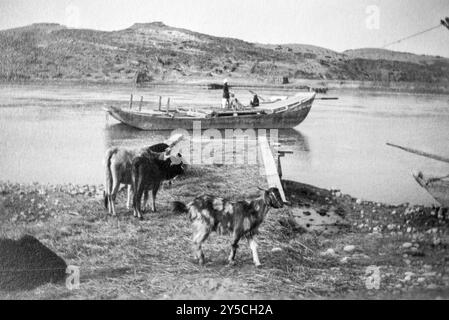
(118, 169)
(148, 173)
(210, 213)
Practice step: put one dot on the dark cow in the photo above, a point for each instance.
(148, 173)
(118, 169)
(242, 218)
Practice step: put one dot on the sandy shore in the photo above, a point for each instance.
(121, 257)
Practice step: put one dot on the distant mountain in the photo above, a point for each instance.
(155, 51)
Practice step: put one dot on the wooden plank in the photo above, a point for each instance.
(421, 153)
(271, 171)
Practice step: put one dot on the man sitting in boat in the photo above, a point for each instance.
(254, 101)
(235, 104)
(225, 100)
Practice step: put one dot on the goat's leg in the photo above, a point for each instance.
(234, 247)
(253, 246)
(201, 232)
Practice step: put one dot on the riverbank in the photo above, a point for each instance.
(121, 257)
(239, 82)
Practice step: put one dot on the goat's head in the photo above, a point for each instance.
(272, 197)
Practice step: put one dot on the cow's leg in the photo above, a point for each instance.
(253, 246)
(154, 192)
(200, 234)
(145, 199)
(128, 203)
(138, 201)
(236, 238)
(113, 195)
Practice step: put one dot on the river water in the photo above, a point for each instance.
(58, 134)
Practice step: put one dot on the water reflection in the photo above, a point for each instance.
(243, 141)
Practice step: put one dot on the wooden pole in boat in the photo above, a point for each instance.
(131, 101)
(168, 104)
(140, 104)
(420, 153)
(160, 103)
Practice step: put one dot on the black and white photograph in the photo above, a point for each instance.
(242, 151)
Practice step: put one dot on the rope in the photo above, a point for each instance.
(412, 36)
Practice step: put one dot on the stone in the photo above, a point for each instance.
(406, 245)
(359, 201)
(349, 248)
(276, 249)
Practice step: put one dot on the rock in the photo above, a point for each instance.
(359, 201)
(432, 286)
(349, 248)
(420, 280)
(276, 249)
(328, 252)
(429, 274)
(390, 227)
(393, 212)
(406, 245)
(344, 260)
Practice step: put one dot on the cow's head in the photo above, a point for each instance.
(174, 166)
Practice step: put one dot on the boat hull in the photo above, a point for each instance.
(437, 188)
(296, 111)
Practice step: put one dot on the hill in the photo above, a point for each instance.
(155, 51)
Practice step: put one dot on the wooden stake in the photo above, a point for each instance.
(140, 104)
(421, 153)
(168, 104)
(160, 103)
(131, 101)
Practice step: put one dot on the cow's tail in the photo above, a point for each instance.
(179, 207)
(108, 175)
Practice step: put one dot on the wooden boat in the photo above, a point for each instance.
(286, 113)
(438, 188)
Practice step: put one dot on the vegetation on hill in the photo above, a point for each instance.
(154, 51)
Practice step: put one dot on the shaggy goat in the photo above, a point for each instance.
(242, 218)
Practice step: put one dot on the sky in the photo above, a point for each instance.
(335, 24)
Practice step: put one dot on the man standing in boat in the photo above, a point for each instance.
(226, 96)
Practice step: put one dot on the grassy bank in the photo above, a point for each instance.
(122, 257)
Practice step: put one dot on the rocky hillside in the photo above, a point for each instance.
(154, 51)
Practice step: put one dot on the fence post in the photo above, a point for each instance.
(131, 101)
(141, 101)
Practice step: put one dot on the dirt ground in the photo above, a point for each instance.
(122, 257)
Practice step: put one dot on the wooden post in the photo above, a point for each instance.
(168, 104)
(131, 101)
(141, 101)
(271, 171)
(160, 103)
